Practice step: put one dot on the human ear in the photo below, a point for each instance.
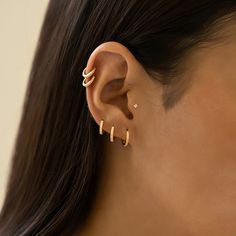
(114, 94)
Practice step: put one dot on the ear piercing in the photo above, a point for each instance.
(124, 142)
(101, 127)
(112, 134)
(85, 83)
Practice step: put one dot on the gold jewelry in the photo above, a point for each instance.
(89, 74)
(85, 83)
(112, 134)
(100, 128)
(135, 105)
(126, 142)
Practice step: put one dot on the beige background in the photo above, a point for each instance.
(20, 23)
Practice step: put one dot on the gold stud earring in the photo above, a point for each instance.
(135, 105)
(126, 142)
(101, 127)
(85, 83)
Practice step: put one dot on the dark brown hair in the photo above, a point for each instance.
(57, 157)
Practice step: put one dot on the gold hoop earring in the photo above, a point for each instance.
(101, 126)
(112, 134)
(89, 74)
(85, 83)
(126, 142)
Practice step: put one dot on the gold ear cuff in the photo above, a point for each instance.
(124, 142)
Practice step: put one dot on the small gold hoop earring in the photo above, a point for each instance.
(101, 126)
(89, 74)
(86, 84)
(112, 134)
(126, 142)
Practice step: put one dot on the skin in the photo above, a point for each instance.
(178, 174)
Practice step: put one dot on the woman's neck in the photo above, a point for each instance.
(128, 202)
